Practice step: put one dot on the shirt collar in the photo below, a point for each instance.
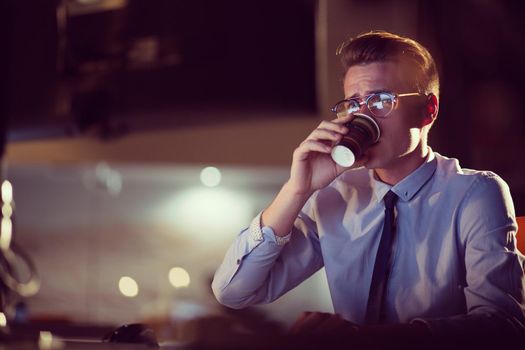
(407, 188)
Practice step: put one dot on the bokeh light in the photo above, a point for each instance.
(179, 277)
(7, 192)
(211, 176)
(128, 287)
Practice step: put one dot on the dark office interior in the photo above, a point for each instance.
(114, 112)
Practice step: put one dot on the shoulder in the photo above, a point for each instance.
(450, 172)
(483, 198)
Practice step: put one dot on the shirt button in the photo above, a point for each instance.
(238, 261)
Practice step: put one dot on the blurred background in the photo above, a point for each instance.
(140, 136)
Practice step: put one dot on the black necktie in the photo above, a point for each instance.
(374, 309)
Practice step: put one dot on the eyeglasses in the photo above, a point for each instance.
(380, 104)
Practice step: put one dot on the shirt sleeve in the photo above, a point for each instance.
(495, 281)
(259, 267)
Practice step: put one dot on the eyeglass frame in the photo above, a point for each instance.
(364, 101)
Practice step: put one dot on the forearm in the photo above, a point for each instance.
(245, 268)
(258, 268)
(282, 212)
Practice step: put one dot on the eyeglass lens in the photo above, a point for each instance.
(379, 104)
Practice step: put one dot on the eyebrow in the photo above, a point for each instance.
(368, 93)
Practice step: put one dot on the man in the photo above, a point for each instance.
(410, 241)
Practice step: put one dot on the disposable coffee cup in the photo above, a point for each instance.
(363, 132)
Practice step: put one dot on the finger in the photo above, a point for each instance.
(334, 125)
(345, 119)
(325, 134)
(309, 146)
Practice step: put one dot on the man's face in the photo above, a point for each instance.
(401, 130)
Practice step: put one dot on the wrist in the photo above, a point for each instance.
(300, 194)
(283, 211)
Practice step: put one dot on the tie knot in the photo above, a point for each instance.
(390, 199)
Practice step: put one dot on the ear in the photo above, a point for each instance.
(431, 109)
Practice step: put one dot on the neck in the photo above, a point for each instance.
(403, 166)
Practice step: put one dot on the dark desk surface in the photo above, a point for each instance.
(21, 345)
(30, 340)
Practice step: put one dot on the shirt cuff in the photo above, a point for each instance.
(258, 233)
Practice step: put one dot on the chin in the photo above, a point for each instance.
(373, 160)
(378, 156)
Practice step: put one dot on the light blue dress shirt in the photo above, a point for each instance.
(455, 264)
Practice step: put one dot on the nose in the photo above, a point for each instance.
(360, 109)
(363, 108)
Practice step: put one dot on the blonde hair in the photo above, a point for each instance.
(378, 46)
